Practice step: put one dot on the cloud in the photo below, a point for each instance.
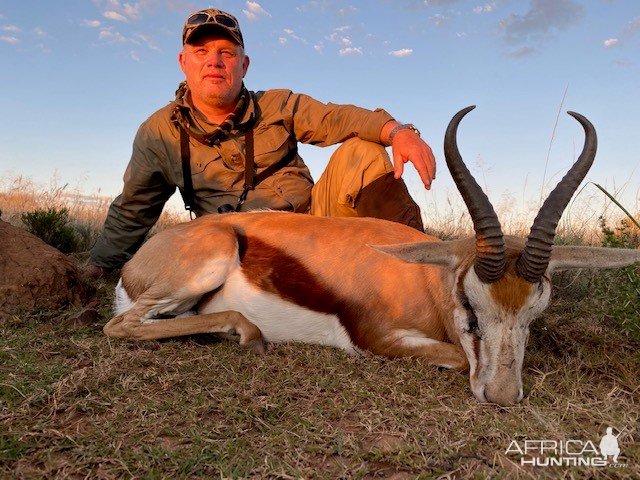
(133, 11)
(322, 5)
(254, 11)
(134, 55)
(319, 48)
(623, 63)
(421, 4)
(39, 32)
(343, 28)
(344, 40)
(148, 41)
(11, 29)
(282, 40)
(523, 52)
(438, 19)
(350, 51)
(90, 23)
(348, 10)
(124, 12)
(111, 15)
(632, 27)
(109, 35)
(401, 53)
(9, 39)
(290, 33)
(488, 8)
(345, 43)
(542, 18)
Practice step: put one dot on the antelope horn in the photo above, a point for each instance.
(535, 258)
(490, 258)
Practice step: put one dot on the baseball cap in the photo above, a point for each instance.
(212, 18)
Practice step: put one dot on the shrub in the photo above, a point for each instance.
(52, 226)
(624, 235)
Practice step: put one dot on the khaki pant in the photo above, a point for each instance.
(358, 182)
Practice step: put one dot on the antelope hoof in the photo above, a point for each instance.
(257, 346)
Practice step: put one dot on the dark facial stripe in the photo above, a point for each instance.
(476, 350)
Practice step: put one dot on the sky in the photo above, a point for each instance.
(78, 77)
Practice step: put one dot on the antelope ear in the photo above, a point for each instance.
(434, 253)
(564, 258)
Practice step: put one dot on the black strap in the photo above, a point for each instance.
(273, 168)
(249, 168)
(251, 180)
(249, 163)
(187, 192)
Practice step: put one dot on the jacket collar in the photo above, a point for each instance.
(183, 98)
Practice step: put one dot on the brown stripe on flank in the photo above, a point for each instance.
(274, 271)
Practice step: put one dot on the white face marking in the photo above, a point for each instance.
(503, 337)
(279, 320)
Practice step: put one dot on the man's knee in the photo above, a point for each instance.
(360, 155)
(359, 182)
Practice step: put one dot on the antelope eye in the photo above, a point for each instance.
(471, 317)
(473, 321)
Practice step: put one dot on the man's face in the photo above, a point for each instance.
(214, 67)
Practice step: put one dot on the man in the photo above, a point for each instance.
(229, 149)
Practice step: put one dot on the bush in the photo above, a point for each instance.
(624, 235)
(52, 226)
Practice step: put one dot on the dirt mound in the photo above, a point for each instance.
(33, 274)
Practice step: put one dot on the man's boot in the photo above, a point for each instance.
(389, 199)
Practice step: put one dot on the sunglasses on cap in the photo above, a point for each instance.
(219, 18)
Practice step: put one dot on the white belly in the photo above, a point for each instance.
(279, 320)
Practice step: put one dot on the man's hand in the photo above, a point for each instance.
(407, 146)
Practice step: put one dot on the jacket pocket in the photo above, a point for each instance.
(290, 191)
(271, 143)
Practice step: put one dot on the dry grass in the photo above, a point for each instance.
(88, 212)
(579, 225)
(74, 404)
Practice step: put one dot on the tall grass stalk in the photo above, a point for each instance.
(618, 204)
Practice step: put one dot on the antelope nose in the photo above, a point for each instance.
(502, 394)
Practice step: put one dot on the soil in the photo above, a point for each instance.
(35, 275)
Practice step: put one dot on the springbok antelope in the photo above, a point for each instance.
(363, 283)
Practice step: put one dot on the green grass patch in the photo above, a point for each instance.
(76, 404)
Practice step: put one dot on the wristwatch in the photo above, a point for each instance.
(403, 126)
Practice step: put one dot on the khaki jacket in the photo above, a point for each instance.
(280, 118)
